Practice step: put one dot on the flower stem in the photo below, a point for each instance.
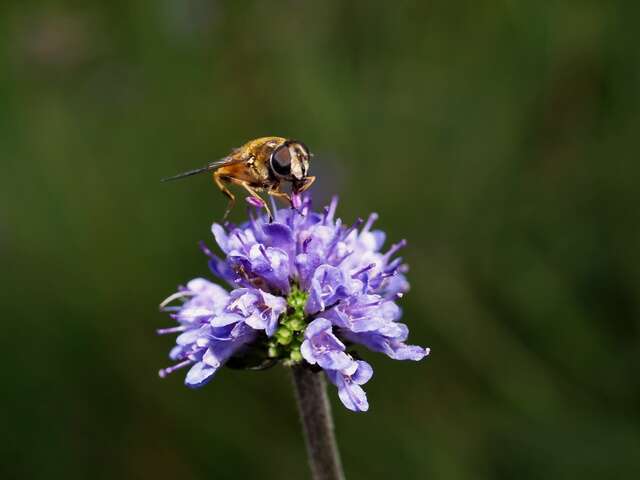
(317, 423)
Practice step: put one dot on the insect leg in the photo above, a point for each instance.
(254, 194)
(279, 194)
(307, 183)
(223, 188)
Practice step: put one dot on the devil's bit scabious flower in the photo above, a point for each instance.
(304, 289)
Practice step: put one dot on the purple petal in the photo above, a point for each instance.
(334, 360)
(202, 286)
(176, 352)
(397, 284)
(307, 352)
(221, 237)
(243, 301)
(353, 397)
(272, 264)
(317, 326)
(188, 337)
(219, 352)
(348, 382)
(363, 374)
(256, 321)
(392, 347)
(221, 269)
(306, 265)
(279, 235)
(191, 313)
(328, 286)
(199, 375)
(400, 351)
(277, 304)
(225, 319)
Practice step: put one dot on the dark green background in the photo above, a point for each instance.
(500, 138)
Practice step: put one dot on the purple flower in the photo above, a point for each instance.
(304, 288)
(327, 287)
(260, 310)
(388, 339)
(321, 346)
(348, 381)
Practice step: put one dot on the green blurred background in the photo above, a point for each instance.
(500, 138)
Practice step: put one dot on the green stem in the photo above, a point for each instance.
(317, 422)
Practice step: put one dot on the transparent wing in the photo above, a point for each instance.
(208, 168)
(223, 162)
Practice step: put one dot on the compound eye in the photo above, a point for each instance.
(281, 161)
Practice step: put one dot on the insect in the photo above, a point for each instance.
(263, 164)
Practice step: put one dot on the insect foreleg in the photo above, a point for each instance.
(307, 184)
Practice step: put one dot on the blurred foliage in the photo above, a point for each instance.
(498, 137)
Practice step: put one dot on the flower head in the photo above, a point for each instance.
(302, 289)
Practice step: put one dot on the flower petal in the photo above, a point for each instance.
(225, 319)
(221, 237)
(334, 360)
(317, 326)
(279, 235)
(354, 398)
(200, 374)
(363, 374)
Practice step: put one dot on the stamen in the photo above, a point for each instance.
(175, 296)
(394, 248)
(205, 249)
(166, 371)
(164, 331)
(371, 304)
(332, 245)
(305, 244)
(252, 220)
(327, 307)
(332, 208)
(172, 309)
(393, 266)
(290, 219)
(190, 355)
(370, 221)
(344, 257)
(353, 227)
(362, 270)
(237, 234)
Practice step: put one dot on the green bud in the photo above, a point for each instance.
(284, 335)
(297, 324)
(296, 356)
(274, 352)
(288, 338)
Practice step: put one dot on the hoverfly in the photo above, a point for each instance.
(260, 165)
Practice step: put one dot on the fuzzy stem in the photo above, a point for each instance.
(317, 422)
